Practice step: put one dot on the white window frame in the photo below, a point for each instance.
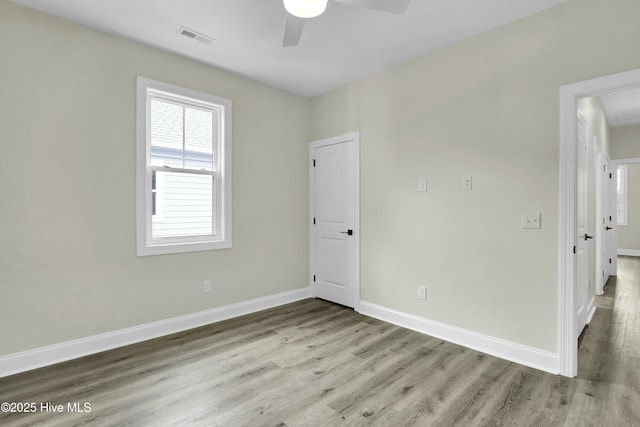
(221, 238)
(624, 200)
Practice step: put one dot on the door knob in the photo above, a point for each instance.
(349, 232)
(608, 228)
(587, 237)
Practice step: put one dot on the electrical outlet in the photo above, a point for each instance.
(206, 286)
(422, 292)
(466, 182)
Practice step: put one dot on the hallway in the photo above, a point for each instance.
(608, 382)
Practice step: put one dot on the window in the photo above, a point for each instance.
(157, 196)
(622, 194)
(183, 170)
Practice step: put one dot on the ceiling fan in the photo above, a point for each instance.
(298, 11)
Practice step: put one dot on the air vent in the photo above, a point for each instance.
(195, 35)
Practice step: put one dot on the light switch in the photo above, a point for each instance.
(422, 184)
(532, 221)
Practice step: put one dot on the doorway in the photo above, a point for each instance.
(569, 280)
(334, 206)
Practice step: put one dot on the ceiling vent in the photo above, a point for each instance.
(195, 35)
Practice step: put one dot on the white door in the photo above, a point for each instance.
(334, 211)
(604, 219)
(582, 244)
(608, 177)
(613, 219)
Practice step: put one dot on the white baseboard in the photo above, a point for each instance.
(528, 356)
(49, 355)
(629, 252)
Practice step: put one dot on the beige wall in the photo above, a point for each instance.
(629, 235)
(486, 107)
(68, 265)
(597, 128)
(625, 144)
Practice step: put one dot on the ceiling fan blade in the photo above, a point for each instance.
(293, 27)
(397, 7)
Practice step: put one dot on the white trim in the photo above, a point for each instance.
(49, 355)
(591, 310)
(567, 351)
(222, 239)
(521, 354)
(569, 95)
(629, 252)
(355, 137)
(629, 161)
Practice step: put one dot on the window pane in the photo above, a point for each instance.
(166, 133)
(619, 171)
(198, 134)
(622, 196)
(187, 205)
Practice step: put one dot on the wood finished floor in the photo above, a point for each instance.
(313, 363)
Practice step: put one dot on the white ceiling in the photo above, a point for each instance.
(622, 108)
(342, 45)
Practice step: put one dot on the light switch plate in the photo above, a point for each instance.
(531, 221)
(422, 184)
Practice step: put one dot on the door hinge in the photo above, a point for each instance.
(314, 163)
(314, 220)
(609, 260)
(610, 175)
(574, 249)
(314, 277)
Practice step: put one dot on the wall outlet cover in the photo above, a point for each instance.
(467, 182)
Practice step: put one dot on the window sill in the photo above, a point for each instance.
(176, 248)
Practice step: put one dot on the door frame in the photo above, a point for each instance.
(569, 95)
(348, 137)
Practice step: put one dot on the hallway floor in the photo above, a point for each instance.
(608, 382)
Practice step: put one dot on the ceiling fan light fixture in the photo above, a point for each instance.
(305, 8)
